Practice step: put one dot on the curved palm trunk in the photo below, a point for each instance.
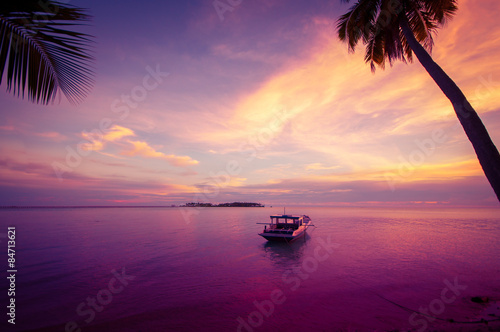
(486, 151)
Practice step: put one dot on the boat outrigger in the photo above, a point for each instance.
(285, 227)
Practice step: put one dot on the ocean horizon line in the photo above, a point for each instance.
(430, 206)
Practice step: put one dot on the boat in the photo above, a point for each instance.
(285, 227)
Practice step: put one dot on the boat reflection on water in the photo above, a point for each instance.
(285, 254)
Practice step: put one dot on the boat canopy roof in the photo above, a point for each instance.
(285, 216)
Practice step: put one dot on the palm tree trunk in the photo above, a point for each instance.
(485, 149)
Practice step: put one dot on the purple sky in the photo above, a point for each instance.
(260, 103)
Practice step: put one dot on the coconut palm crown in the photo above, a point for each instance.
(39, 55)
(377, 24)
(397, 30)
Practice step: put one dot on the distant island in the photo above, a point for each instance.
(233, 204)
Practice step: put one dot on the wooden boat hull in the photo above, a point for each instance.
(281, 237)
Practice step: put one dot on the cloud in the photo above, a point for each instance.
(48, 135)
(97, 139)
(8, 164)
(118, 136)
(352, 190)
(319, 167)
(117, 132)
(32, 183)
(141, 148)
(52, 135)
(466, 54)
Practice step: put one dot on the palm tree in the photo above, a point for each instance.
(397, 29)
(40, 56)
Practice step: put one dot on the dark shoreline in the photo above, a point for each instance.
(18, 207)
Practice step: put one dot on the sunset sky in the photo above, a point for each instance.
(259, 103)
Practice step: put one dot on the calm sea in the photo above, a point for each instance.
(166, 269)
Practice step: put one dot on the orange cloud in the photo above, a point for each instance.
(141, 148)
(468, 54)
(319, 167)
(117, 132)
(98, 140)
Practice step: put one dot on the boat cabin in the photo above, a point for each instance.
(283, 221)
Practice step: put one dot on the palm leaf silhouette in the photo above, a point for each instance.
(39, 55)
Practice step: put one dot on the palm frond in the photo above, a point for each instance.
(376, 23)
(385, 43)
(40, 55)
(358, 22)
(440, 10)
(375, 51)
(421, 24)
